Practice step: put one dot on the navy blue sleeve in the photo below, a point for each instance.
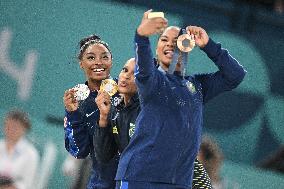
(229, 76)
(145, 67)
(143, 56)
(77, 139)
(104, 143)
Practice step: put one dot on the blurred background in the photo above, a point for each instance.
(39, 44)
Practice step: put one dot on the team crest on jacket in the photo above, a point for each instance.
(131, 129)
(114, 130)
(190, 86)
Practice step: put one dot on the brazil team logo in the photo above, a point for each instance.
(114, 130)
(190, 86)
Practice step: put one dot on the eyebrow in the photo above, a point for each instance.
(103, 53)
(167, 36)
(107, 53)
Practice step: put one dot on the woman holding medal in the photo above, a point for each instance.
(167, 136)
(117, 124)
(82, 113)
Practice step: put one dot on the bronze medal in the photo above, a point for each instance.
(185, 43)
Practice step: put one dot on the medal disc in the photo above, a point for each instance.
(82, 91)
(185, 43)
(110, 86)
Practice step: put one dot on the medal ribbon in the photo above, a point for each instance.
(184, 58)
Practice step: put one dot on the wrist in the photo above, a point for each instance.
(103, 121)
(205, 43)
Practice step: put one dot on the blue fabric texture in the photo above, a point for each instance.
(168, 128)
(79, 129)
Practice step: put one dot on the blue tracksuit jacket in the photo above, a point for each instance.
(79, 128)
(168, 128)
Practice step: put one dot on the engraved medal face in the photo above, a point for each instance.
(185, 43)
(110, 86)
(82, 91)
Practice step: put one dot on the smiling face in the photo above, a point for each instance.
(96, 62)
(166, 46)
(126, 82)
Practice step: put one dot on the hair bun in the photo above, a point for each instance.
(91, 37)
(94, 37)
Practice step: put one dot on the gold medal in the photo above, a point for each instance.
(110, 86)
(185, 43)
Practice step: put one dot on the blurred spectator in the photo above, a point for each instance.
(275, 161)
(272, 5)
(6, 183)
(279, 6)
(78, 169)
(71, 166)
(211, 156)
(18, 157)
(85, 171)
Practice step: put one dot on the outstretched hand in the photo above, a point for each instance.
(150, 26)
(200, 36)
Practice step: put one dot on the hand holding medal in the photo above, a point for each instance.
(72, 96)
(107, 89)
(188, 38)
(185, 42)
(110, 86)
(201, 38)
(82, 91)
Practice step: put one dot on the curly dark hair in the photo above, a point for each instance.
(87, 41)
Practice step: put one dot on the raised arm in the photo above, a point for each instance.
(230, 73)
(143, 54)
(103, 140)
